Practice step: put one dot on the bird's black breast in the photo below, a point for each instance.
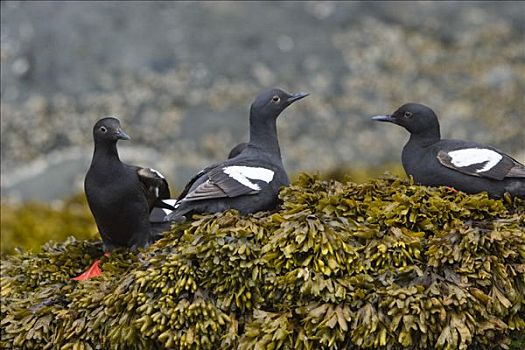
(117, 201)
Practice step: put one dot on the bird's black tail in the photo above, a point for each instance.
(161, 209)
(157, 230)
(180, 214)
(516, 188)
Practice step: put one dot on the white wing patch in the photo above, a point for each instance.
(157, 173)
(243, 174)
(469, 156)
(172, 202)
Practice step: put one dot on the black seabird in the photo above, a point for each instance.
(120, 196)
(464, 165)
(250, 181)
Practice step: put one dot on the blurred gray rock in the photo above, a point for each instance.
(181, 77)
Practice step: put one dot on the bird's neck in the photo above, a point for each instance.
(263, 135)
(105, 153)
(425, 139)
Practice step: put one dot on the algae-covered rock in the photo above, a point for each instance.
(28, 226)
(384, 264)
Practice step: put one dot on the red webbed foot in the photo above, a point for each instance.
(93, 271)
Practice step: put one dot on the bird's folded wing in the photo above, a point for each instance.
(517, 171)
(233, 153)
(188, 186)
(481, 162)
(155, 185)
(231, 181)
(206, 190)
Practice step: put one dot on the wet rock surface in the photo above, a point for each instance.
(181, 77)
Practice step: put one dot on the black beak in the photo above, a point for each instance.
(385, 118)
(121, 135)
(296, 97)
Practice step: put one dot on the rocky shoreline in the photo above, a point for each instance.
(181, 78)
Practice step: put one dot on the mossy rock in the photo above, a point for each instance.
(380, 265)
(45, 222)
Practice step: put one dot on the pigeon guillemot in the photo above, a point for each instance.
(120, 196)
(464, 165)
(250, 181)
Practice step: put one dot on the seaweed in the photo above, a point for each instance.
(385, 264)
(28, 226)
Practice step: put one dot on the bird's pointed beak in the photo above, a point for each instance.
(384, 118)
(296, 97)
(121, 135)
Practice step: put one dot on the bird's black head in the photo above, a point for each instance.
(109, 130)
(271, 103)
(418, 119)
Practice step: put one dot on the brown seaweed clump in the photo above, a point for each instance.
(381, 265)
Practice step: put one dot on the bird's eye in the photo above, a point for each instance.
(276, 99)
(408, 114)
(103, 129)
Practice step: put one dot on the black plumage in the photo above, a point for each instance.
(119, 195)
(235, 151)
(163, 209)
(250, 181)
(464, 165)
